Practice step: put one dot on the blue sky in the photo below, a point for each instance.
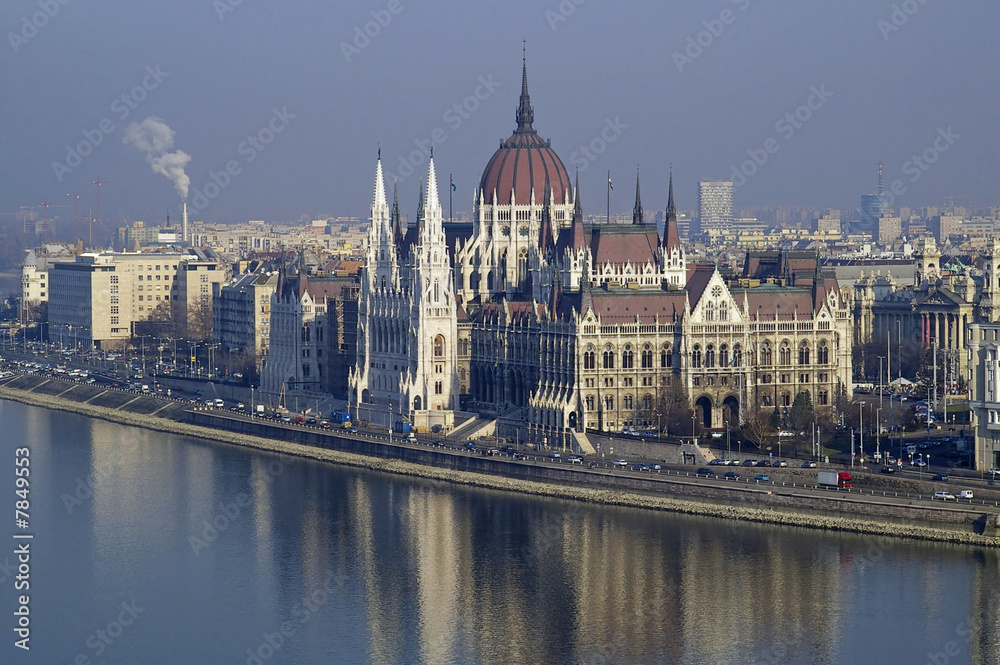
(703, 86)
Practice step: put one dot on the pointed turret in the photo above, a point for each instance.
(432, 211)
(637, 216)
(579, 238)
(397, 227)
(525, 114)
(547, 238)
(380, 209)
(670, 238)
(420, 204)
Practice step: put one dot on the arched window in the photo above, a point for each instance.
(709, 312)
(590, 402)
(723, 355)
(823, 353)
(710, 356)
(785, 354)
(439, 346)
(786, 399)
(437, 291)
(609, 403)
(588, 358)
(647, 402)
(696, 356)
(647, 357)
(765, 354)
(609, 358)
(804, 353)
(765, 400)
(737, 355)
(627, 402)
(665, 356)
(627, 358)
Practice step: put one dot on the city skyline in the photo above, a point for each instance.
(772, 98)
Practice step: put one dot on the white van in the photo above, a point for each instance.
(965, 494)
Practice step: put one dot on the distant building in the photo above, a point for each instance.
(241, 314)
(715, 206)
(97, 299)
(829, 223)
(984, 393)
(889, 229)
(873, 206)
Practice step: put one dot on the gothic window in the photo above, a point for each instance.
(785, 354)
(609, 358)
(823, 353)
(665, 356)
(590, 402)
(804, 353)
(765, 400)
(627, 358)
(522, 266)
(710, 312)
(765, 354)
(437, 291)
(609, 403)
(823, 398)
(439, 346)
(786, 399)
(647, 357)
(710, 356)
(647, 402)
(737, 355)
(723, 312)
(696, 356)
(627, 402)
(724, 355)
(588, 358)
(438, 388)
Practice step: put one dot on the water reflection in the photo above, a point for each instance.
(372, 568)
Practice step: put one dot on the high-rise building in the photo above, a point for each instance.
(715, 205)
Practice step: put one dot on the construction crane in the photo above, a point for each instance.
(98, 183)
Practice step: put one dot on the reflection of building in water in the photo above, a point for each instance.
(983, 627)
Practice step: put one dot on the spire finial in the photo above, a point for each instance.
(525, 114)
(380, 150)
(637, 215)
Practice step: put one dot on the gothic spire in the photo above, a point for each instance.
(577, 205)
(420, 203)
(578, 239)
(397, 228)
(637, 216)
(546, 241)
(525, 114)
(380, 208)
(670, 238)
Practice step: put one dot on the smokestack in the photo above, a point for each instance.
(184, 223)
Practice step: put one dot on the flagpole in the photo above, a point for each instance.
(451, 188)
(608, 220)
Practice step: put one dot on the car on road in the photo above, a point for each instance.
(516, 455)
(437, 443)
(717, 462)
(555, 455)
(705, 472)
(762, 478)
(574, 459)
(732, 475)
(763, 462)
(349, 430)
(888, 469)
(470, 446)
(809, 464)
(749, 462)
(919, 462)
(654, 467)
(619, 462)
(940, 477)
(781, 463)
(639, 466)
(509, 449)
(965, 494)
(944, 496)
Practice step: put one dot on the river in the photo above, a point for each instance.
(152, 548)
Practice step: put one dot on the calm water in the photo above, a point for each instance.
(364, 568)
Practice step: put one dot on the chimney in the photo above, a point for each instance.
(184, 223)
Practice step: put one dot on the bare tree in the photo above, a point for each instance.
(758, 426)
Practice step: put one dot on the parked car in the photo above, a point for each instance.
(716, 462)
(763, 462)
(944, 496)
(574, 459)
(762, 478)
(705, 472)
(638, 466)
(809, 464)
(888, 469)
(619, 462)
(654, 467)
(748, 462)
(781, 463)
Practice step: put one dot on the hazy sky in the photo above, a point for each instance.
(695, 84)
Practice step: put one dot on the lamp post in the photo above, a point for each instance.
(692, 429)
(729, 447)
(861, 429)
(878, 411)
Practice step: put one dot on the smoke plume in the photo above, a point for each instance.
(155, 138)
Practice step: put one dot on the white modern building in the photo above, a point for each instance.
(715, 205)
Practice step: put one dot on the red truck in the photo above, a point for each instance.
(834, 479)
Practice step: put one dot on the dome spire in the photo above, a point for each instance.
(525, 114)
(637, 216)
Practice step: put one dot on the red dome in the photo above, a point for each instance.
(524, 162)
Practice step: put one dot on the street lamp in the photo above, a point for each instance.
(861, 428)
(729, 447)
